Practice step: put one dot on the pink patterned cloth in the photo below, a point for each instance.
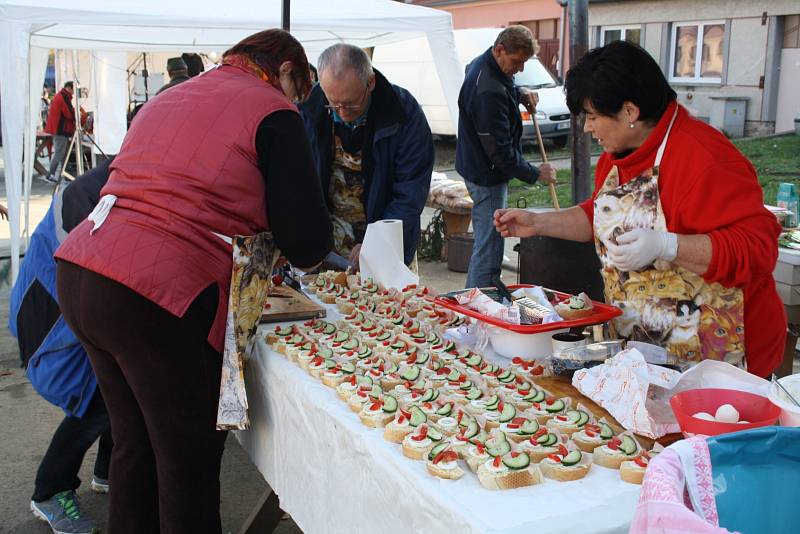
(677, 495)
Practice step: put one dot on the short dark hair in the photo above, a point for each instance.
(69, 85)
(619, 72)
(516, 38)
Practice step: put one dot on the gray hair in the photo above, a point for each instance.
(342, 57)
(517, 38)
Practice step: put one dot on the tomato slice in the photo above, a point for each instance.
(590, 433)
(640, 461)
(554, 457)
(518, 420)
(517, 360)
(497, 460)
(562, 450)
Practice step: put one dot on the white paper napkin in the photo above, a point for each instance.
(381, 257)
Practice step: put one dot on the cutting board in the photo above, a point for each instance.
(562, 387)
(287, 304)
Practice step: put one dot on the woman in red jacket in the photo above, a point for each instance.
(144, 282)
(686, 246)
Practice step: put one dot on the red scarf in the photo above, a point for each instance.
(244, 62)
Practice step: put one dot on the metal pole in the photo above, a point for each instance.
(562, 42)
(145, 75)
(581, 156)
(285, 14)
(78, 130)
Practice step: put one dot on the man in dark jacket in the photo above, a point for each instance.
(372, 147)
(488, 152)
(178, 73)
(57, 365)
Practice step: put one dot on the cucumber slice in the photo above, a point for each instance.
(474, 394)
(492, 401)
(436, 365)
(410, 373)
(350, 344)
(573, 416)
(474, 360)
(508, 413)
(363, 380)
(557, 406)
(536, 395)
(389, 404)
(325, 353)
(434, 434)
(606, 432)
(429, 395)
(507, 380)
(330, 364)
(466, 386)
(376, 392)
(493, 406)
(436, 449)
(329, 329)
(584, 418)
(423, 358)
(520, 462)
(628, 446)
(391, 367)
(500, 449)
(573, 458)
(453, 376)
(551, 440)
(445, 410)
(417, 416)
(349, 368)
(505, 374)
(529, 428)
(472, 429)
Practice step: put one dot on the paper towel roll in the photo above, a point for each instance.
(381, 257)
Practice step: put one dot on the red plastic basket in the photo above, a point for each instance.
(602, 313)
(758, 410)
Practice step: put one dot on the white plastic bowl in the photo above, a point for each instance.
(790, 414)
(512, 344)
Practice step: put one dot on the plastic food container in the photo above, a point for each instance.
(758, 410)
(790, 414)
(510, 344)
(568, 361)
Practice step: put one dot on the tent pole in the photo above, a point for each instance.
(78, 132)
(285, 14)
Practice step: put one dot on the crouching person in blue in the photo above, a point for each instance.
(372, 148)
(57, 364)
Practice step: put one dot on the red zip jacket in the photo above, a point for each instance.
(708, 187)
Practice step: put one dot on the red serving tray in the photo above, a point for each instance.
(603, 312)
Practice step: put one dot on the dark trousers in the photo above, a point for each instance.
(160, 379)
(59, 468)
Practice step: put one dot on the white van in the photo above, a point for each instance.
(409, 64)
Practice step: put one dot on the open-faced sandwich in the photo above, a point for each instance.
(418, 443)
(519, 429)
(569, 463)
(592, 436)
(378, 412)
(333, 376)
(443, 462)
(542, 443)
(575, 307)
(544, 411)
(497, 445)
(509, 471)
(404, 423)
(571, 421)
(618, 450)
(633, 470)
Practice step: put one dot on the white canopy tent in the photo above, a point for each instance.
(29, 28)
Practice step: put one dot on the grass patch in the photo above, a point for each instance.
(538, 196)
(776, 159)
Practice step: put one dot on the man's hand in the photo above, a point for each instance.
(515, 223)
(641, 247)
(3, 212)
(547, 173)
(529, 99)
(354, 256)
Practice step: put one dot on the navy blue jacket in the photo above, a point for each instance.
(396, 164)
(490, 127)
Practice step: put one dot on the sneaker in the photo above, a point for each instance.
(50, 179)
(99, 485)
(62, 513)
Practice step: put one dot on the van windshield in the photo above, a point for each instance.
(534, 76)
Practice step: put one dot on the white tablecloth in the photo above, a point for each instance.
(335, 475)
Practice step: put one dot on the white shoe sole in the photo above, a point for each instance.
(99, 488)
(38, 514)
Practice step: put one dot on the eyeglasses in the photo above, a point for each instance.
(350, 107)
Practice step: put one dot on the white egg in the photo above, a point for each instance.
(727, 414)
(743, 422)
(704, 416)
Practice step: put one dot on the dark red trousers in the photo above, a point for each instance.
(160, 380)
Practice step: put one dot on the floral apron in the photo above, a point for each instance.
(251, 276)
(663, 304)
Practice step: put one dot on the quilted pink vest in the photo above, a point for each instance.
(187, 168)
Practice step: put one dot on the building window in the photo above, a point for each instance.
(697, 52)
(791, 31)
(632, 34)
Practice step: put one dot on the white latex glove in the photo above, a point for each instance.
(641, 247)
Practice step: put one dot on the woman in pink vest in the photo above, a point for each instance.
(144, 281)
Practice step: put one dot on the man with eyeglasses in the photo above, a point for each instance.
(372, 147)
(488, 152)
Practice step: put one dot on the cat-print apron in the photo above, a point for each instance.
(663, 304)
